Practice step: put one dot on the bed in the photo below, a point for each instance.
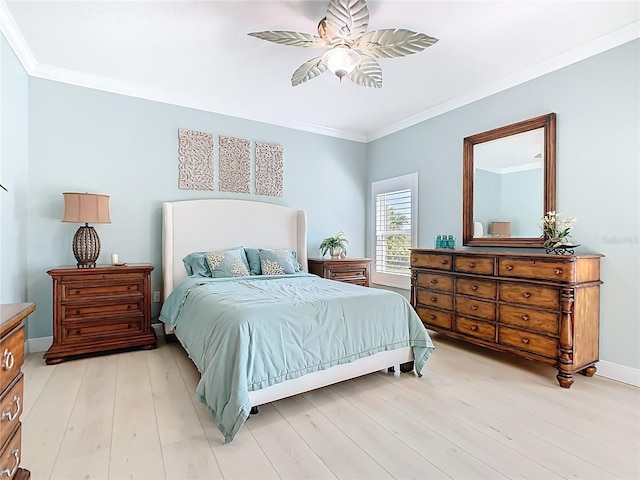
(311, 340)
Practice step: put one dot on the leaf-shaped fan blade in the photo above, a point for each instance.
(307, 71)
(348, 18)
(368, 73)
(393, 42)
(296, 39)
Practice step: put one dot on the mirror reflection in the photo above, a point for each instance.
(508, 185)
(509, 182)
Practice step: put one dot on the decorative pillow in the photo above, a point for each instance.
(228, 263)
(196, 264)
(276, 262)
(253, 256)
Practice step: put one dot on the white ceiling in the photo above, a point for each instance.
(198, 54)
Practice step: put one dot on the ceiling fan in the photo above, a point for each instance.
(352, 51)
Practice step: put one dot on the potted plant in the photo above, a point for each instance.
(336, 245)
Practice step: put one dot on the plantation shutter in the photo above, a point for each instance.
(395, 229)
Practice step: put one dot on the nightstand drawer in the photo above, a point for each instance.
(11, 404)
(530, 342)
(72, 311)
(82, 291)
(352, 274)
(11, 453)
(110, 328)
(11, 356)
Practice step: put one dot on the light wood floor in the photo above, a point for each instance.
(474, 414)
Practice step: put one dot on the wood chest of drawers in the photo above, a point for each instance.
(350, 270)
(11, 388)
(537, 306)
(100, 309)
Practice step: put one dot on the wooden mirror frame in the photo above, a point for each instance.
(548, 122)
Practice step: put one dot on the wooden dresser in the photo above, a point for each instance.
(12, 336)
(351, 270)
(537, 306)
(100, 309)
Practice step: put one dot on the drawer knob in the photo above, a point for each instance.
(77, 311)
(444, 262)
(525, 340)
(128, 307)
(12, 472)
(558, 271)
(7, 359)
(474, 328)
(12, 416)
(474, 287)
(128, 289)
(414, 259)
(472, 265)
(128, 325)
(432, 316)
(78, 291)
(78, 332)
(474, 307)
(525, 318)
(434, 281)
(526, 294)
(509, 267)
(434, 299)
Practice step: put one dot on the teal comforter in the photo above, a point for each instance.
(247, 333)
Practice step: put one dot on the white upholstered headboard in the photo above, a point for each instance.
(216, 224)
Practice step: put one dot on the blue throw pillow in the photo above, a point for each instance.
(276, 262)
(228, 263)
(253, 256)
(196, 265)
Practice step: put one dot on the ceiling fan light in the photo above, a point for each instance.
(341, 60)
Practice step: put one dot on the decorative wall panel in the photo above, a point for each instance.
(195, 160)
(235, 165)
(269, 169)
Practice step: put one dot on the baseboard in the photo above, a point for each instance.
(42, 344)
(619, 373)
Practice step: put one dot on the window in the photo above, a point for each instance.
(395, 205)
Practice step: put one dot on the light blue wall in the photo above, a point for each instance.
(14, 167)
(87, 140)
(598, 153)
(515, 190)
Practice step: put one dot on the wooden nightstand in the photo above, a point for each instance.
(351, 270)
(100, 309)
(12, 316)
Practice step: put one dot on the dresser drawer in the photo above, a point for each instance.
(558, 270)
(529, 318)
(11, 356)
(86, 291)
(434, 317)
(527, 341)
(476, 308)
(72, 311)
(10, 409)
(11, 454)
(475, 328)
(435, 299)
(524, 294)
(476, 288)
(479, 265)
(434, 281)
(77, 331)
(431, 260)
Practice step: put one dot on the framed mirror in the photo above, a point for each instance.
(509, 183)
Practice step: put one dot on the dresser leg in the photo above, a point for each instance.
(589, 371)
(564, 379)
(54, 361)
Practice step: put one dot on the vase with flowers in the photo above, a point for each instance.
(556, 233)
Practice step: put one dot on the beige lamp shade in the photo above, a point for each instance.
(86, 208)
(501, 229)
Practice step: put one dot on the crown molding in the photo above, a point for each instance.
(599, 45)
(11, 32)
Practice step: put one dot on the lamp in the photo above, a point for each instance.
(501, 229)
(86, 208)
(341, 60)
